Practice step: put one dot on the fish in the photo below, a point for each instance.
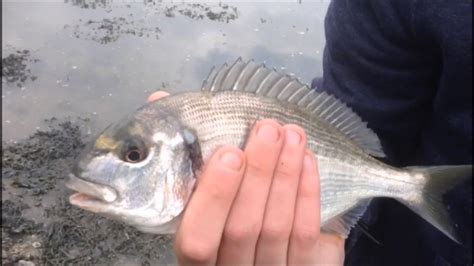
(142, 169)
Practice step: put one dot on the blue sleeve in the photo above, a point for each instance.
(405, 66)
(373, 62)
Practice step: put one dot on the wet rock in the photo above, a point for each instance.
(16, 67)
(198, 11)
(90, 4)
(110, 30)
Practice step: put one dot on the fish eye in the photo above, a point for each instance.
(133, 150)
(134, 155)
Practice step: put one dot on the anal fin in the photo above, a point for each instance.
(343, 223)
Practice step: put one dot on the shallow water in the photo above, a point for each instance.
(100, 59)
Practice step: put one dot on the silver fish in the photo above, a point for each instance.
(141, 170)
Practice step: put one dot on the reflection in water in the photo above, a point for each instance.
(98, 67)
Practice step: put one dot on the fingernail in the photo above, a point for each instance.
(292, 137)
(268, 133)
(157, 95)
(231, 160)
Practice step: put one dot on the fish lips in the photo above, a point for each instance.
(90, 196)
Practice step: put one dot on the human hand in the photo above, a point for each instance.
(257, 206)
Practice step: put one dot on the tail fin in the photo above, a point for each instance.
(439, 180)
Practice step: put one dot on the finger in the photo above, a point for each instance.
(305, 232)
(157, 95)
(245, 219)
(330, 250)
(200, 231)
(272, 247)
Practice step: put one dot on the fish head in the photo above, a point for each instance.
(137, 171)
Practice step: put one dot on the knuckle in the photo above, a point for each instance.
(305, 237)
(241, 233)
(308, 192)
(255, 168)
(217, 192)
(286, 170)
(276, 232)
(195, 251)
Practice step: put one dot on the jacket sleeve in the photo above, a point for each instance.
(405, 66)
(374, 63)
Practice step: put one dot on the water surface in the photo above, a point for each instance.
(100, 59)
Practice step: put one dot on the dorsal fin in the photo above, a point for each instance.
(262, 81)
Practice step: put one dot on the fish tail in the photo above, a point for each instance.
(430, 206)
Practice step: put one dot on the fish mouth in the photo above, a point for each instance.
(90, 196)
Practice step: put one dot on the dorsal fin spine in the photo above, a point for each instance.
(328, 109)
(283, 90)
(313, 102)
(216, 77)
(254, 74)
(205, 83)
(335, 111)
(260, 85)
(226, 75)
(239, 78)
(344, 119)
(337, 118)
(301, 101)
(298, 91)
(319, 106)
(275, 84)
(349, 124)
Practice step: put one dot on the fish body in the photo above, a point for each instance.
(348, 173)
(142, 169)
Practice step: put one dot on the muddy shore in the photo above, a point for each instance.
(39, 226)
